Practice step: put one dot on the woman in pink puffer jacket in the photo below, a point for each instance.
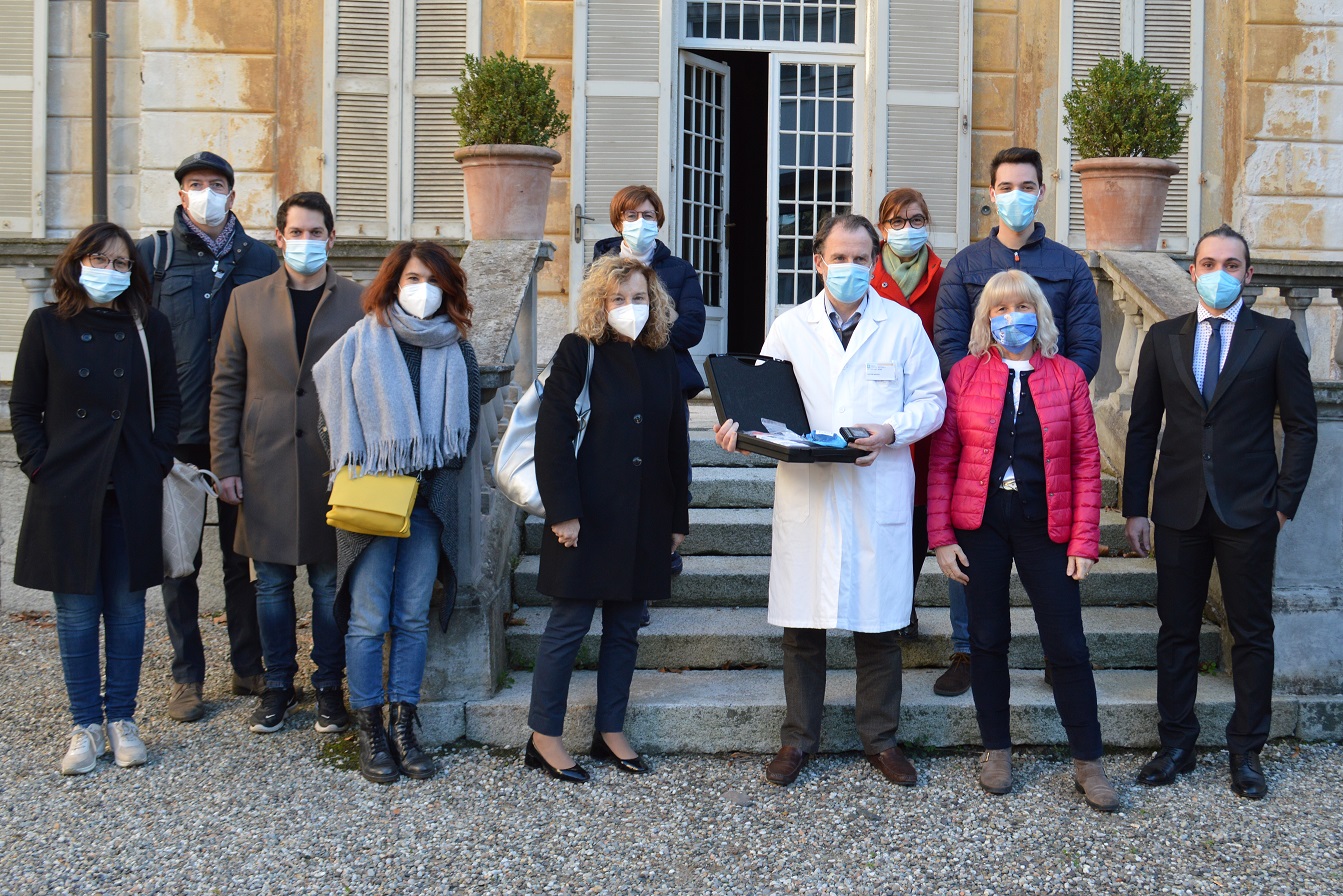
(1015, 477)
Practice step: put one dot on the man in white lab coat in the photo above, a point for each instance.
(840, 555)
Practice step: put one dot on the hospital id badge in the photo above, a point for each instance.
(882, 372)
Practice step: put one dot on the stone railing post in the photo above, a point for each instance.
(1298, 299)
(37, 280)
(1338, 343)
(1130, 339)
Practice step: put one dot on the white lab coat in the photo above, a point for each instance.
(841, 548)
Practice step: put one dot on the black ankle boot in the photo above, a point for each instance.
(375, 757)
(414, 762)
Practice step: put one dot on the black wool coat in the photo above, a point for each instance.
(628, 486)
(80, 415)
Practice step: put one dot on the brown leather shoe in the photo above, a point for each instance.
(893, 764)
(956, 680)
(249, 685)
(783, 769)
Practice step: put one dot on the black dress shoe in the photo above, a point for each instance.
(1247, 778)
(1162, 768)
(600, 751)
(574, 774)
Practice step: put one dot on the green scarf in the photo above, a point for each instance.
(907, 274)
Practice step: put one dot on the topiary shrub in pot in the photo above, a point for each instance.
(507, 116)
(1125, 121)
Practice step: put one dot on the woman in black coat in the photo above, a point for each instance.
(91, 525)
(614, 511)
(637, 215)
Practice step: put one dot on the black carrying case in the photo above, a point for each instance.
(748, 388)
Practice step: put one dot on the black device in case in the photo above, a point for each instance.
(749, 388)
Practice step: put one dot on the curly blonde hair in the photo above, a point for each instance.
(1013, 285)
(603, 278)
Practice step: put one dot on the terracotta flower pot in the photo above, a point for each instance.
(1122, 201)
(507, 189)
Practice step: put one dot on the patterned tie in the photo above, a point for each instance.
(1213, 365)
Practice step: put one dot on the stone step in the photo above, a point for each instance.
(732, 487)
(715, 638)
(719, 712)
(745, 532)
(744, 582)
(706, 455)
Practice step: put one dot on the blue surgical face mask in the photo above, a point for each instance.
(907, 242)
(847, 283)
(305, 256)
(639, 235)
(1014, 331)
(1017, 209)
(103, 284)
(1219, 290)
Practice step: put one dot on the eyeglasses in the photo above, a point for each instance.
(916, 222)
(123, 265)
(632, 216)
(218, 187)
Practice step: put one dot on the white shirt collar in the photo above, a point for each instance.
(1229, 314)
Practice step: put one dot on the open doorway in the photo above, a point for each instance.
(748, 197)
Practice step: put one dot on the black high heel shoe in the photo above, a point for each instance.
(574, 774)
(600, 750)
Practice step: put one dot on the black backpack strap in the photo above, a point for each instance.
(163, 259)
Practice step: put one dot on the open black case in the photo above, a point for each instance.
(749, 388)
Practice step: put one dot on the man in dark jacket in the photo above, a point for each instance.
(637, 215)
(195, 267)
(1016, 179)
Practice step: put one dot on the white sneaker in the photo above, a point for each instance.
(86, 745)
(127, 748)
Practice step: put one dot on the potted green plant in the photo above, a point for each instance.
(1125, 121)
(507, 116)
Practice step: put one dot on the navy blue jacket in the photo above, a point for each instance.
(681, 281)
(195, 311)
(1063, 276)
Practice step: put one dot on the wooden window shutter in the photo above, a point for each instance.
(1096, 32)
(434, 191)
(618, 113)
(367, 157)
(1167, 26)
(23, 116)
(927, 138)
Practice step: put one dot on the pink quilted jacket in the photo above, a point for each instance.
(962, 457)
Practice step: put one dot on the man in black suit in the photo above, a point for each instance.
(1217, 375)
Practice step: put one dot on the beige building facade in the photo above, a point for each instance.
(751, 118)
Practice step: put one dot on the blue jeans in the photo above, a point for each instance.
(276, 614)
(390, 586)
(960, 618)
(122, 613)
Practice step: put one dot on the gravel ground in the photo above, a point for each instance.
(220, 810)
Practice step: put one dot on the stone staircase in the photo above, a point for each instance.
(709, 673)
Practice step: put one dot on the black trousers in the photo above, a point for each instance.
(1006, 535)
(918, 536)
(569, 622)
(876, 701)
(1184, 560)
(182, 599)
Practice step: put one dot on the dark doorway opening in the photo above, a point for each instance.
(748, 197)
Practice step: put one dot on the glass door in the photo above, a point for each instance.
(814, 159)
(703, 190)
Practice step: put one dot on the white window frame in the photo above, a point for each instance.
(34, 224)
(862, 171)
(860, 32)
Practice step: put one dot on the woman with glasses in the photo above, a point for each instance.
(909, 273)
(637, 215)
(95, 455)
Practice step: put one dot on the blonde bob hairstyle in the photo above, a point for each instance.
(1013, 286)
(603, 279)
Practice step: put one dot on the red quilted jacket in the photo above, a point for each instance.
(962, 457)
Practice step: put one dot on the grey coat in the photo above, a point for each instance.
(264, 412)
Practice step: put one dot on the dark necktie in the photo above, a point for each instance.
(1213, 365)
(845, 332)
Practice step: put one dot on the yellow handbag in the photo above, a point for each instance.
(376, 504)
